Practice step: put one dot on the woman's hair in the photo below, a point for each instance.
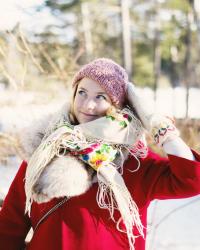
(72, 117)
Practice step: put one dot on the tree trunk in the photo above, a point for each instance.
(126, 34)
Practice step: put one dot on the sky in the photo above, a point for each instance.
(22, 11)
(13, 11)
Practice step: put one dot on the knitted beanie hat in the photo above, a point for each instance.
(110, 75)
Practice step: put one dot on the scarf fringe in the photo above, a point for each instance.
(114, 196)
(46, 151)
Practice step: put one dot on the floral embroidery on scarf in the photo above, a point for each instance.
(97, 155)
(123, 118)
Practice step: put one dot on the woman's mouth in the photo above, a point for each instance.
(89, 115)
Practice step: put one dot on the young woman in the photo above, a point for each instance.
(89, 177)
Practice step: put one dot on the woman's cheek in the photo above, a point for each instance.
(78, 103)
(104, 107)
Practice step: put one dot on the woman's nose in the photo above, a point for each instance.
(90, 104)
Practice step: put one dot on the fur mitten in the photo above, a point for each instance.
(161, 127)
(137, 103)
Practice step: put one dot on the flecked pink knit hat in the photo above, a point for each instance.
(110, 75)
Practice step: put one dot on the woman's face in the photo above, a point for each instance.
(91, 101)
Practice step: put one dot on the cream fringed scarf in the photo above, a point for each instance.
(101, 145)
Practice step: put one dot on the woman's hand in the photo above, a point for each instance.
(161, 127)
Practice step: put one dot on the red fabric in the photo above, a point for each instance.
(80, 224)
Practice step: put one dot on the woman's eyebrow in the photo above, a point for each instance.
(98, 93)
(101, 93)
(82, 89)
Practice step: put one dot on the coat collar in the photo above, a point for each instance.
(31, 136)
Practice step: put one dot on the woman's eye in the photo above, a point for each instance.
(101, 97)
(81, 92)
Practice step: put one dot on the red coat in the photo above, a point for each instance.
(80, 224)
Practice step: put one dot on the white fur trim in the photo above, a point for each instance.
(65, 176)
(31, 136)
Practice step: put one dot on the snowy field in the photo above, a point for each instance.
(172, 101)
(173, 224)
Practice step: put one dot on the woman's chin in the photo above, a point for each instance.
(87, 119)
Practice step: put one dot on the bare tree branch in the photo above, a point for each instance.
(30, 52)
(8, 76)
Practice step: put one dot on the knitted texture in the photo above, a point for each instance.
(110, 75)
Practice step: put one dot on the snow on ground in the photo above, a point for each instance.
(173, 101)
(7, 174)
(167, 230)
(174, 224)
(17, 110)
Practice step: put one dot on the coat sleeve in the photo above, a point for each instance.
(14, 224)
(172, 177)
